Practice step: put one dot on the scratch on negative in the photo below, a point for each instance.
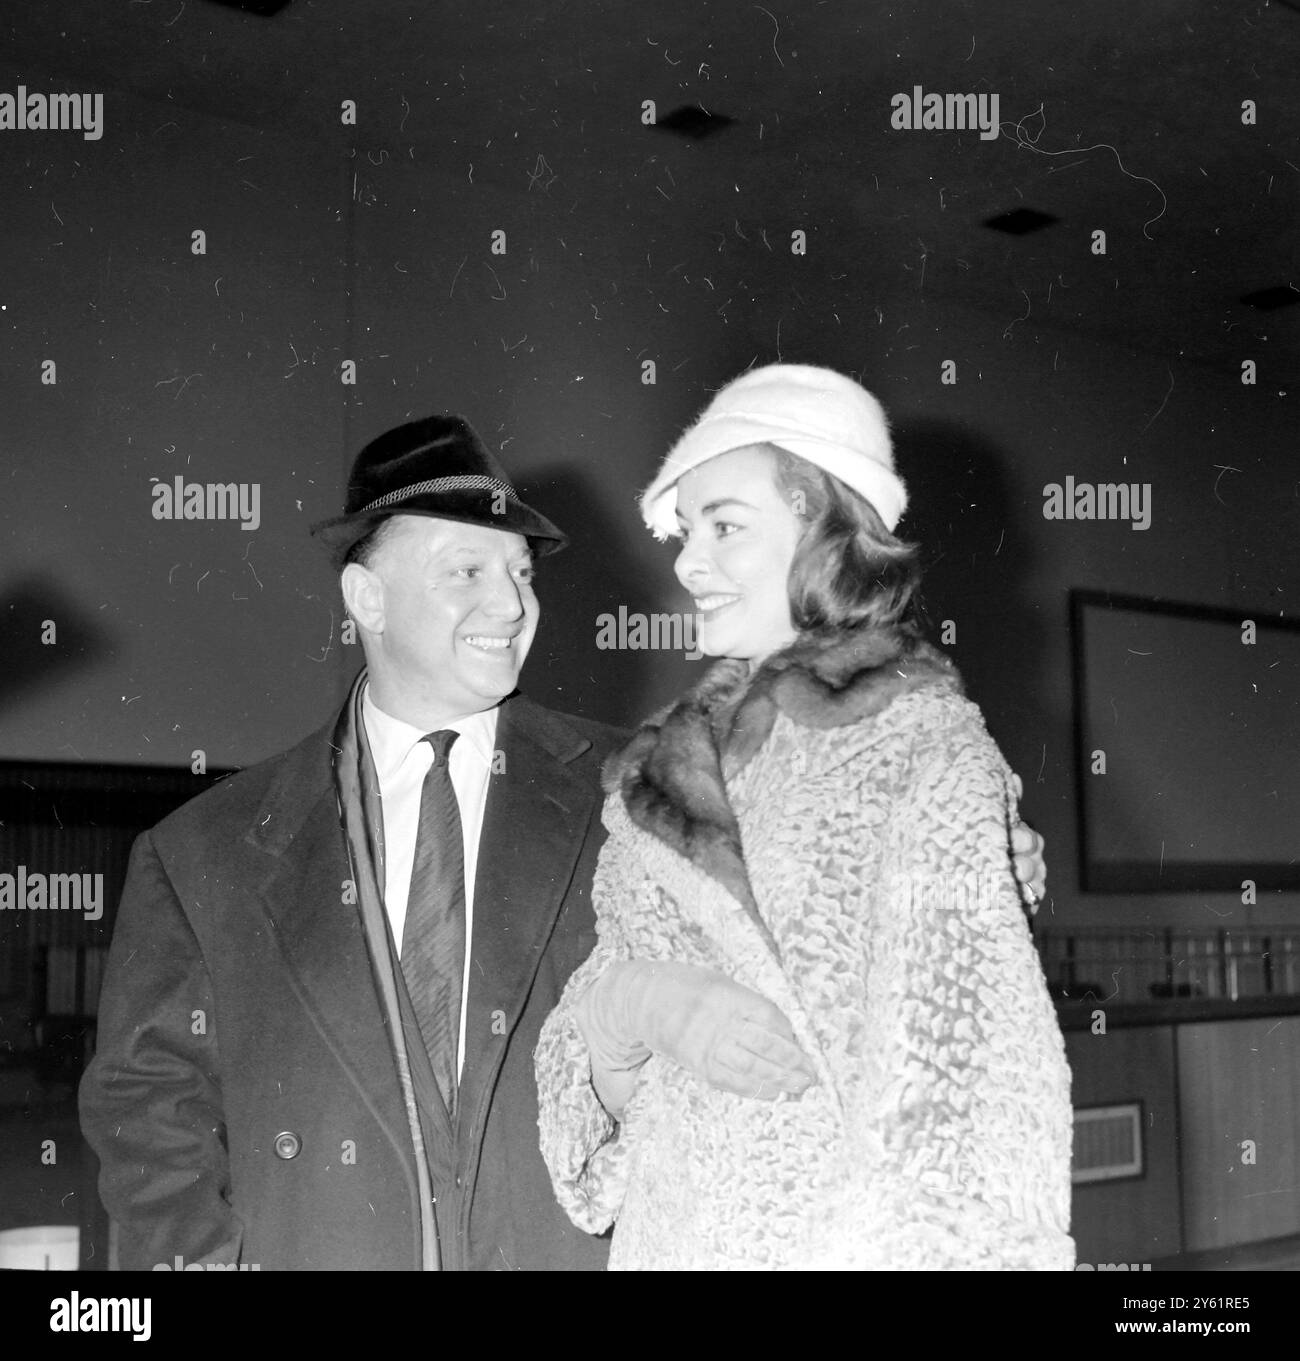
(456, 276)
(1014, 320)
(1162, 405)
(776, 34)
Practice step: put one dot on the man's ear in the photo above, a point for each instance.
(363, 596)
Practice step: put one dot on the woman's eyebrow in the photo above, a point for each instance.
(725, 501)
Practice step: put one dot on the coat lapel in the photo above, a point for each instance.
(671, 778)
(321, 934)
(536, 820)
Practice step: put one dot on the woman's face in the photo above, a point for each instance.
(739, 536)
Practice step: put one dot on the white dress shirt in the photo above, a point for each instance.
(402, 760)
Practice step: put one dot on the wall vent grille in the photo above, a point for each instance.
(1107, 1143)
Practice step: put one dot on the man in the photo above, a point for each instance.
(329, 972)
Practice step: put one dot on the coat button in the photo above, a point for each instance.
(287, 1145)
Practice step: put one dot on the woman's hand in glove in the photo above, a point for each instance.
(726, 1033)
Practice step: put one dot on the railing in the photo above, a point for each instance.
(1095, 964)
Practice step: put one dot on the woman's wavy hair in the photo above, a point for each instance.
(848, 570)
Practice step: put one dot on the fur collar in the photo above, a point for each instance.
(670, 775)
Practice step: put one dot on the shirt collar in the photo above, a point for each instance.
(392, 740)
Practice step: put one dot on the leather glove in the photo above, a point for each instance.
(724, 1032)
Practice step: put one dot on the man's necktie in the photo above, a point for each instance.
(433, 937)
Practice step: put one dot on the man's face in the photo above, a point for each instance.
(451, 611)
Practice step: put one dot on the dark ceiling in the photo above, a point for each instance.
(1115, 115)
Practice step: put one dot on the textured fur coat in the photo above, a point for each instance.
(834, 835)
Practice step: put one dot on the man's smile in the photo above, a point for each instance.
(490, 642)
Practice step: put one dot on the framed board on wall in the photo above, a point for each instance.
(1187, 746)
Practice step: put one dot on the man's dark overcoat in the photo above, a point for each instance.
(244, 1100)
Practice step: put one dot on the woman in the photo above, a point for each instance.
(814, 1031)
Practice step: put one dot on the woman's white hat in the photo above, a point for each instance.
(815, 413)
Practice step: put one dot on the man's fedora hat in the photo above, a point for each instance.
(437, 467)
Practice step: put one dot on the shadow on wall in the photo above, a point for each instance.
(48, 637)
(977, 550)
(597, 574)
(979, 554)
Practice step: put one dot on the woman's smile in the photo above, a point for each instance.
(710, 606)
